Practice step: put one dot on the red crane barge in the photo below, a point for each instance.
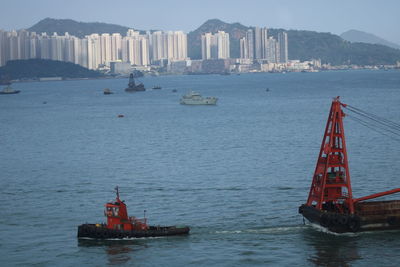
(120, 225)
(330, 201)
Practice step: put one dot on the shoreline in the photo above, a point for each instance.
(59, 79)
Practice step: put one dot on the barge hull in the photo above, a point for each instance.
(368, 216)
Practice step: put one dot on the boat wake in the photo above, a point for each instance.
(321, 229)
(269, 230)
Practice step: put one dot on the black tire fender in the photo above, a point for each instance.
(343, 219)
(325, 220)
(392, 220)
(354, 223)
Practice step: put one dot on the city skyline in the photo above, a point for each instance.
(94, 50)
(97, 50)
(322, 16)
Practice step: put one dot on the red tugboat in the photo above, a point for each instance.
(330, 201)
(120, 226)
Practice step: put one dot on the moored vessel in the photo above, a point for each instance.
(194, 98)
(107, 91)
(133, 87)
(9, 91)
(119, 225)
(330, 201)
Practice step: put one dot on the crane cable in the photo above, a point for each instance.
(374, 122)
(374, 117)
(375, 129)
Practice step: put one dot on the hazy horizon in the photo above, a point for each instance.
(380, 19)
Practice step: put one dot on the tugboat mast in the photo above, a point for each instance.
(116, 188)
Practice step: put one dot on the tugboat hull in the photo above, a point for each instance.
(369, 216)
(101, 232)
(9, 92)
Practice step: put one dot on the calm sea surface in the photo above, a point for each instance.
(235, 173)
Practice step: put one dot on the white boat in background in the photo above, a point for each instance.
(194, 98)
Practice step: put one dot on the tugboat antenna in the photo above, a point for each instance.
(116, 188)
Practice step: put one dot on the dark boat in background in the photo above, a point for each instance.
(107, 91)
(9, 91)
(119, 225)
(330, 201)
(133, 87)
(157, 87)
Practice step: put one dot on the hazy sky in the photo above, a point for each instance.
(380, 17)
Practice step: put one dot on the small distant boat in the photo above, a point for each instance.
(107, 91)
(194, 98)
(133, 87)
(119, 225)
(157, 87)
(174, 90)
(9, 91)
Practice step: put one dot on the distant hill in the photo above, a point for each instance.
(37, 68)
(330, 48)
(355, 36)
(303, 45)
(79, 29)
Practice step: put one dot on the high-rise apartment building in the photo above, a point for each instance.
(283, 47)
(207, 41)
(215, 46)
(116, 46)
(271, 51)
(257, 45)
(94, 51)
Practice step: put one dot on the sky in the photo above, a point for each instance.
(379, 17)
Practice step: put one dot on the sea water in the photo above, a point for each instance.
(236, 172)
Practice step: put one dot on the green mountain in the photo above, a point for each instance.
(79, 29)
(37, 68)
(303, 45)
(364, 37)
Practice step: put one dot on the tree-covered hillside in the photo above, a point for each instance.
(79, 29)
(37, 68)
(303, 45)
